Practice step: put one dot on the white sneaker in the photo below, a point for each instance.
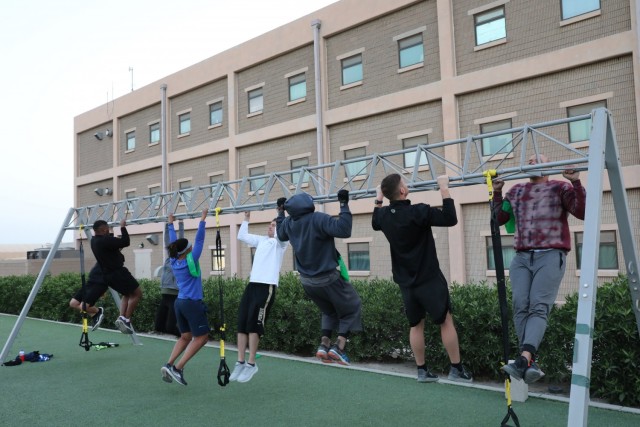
(247, 373)
(237, 370)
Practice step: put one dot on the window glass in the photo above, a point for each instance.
(297, 87)
(299, 163)
(185, 123)
(154, 133)
(131, 141)
(185, 196)
(255, 100)
(496, 144)
(153, 191)
(358, 256)
(217, 264)
(215, 113)
(410, 158)
(490, 26)
(352, 69)
(571, 8)
(257, 184)
(581, 130)
(355, 168)
(411, 50)
(508, 252)
(128, 196)
(607, 253)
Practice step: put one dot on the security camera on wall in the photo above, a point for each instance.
(98, 136)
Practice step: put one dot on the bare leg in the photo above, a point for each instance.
(196, 344)
(450, 339)
(242, 346)
(179, 346)
(416, 338)
(254, 339)
(129, 303)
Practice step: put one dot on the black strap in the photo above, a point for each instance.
(223, 369)
(84, 338)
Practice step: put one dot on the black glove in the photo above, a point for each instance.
(343, 197)
(280, 202)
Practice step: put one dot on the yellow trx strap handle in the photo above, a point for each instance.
(489, 174)
(218, 210)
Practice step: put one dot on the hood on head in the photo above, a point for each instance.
(299, 204)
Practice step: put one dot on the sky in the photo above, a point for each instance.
(62, 58)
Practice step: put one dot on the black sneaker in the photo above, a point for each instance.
(533, 373)
(124, 326)
(97, 319)
(166, 375)
(462, 376)
(426, 376)
(516, 369)
(176, 374)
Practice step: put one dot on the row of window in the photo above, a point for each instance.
(491, 25)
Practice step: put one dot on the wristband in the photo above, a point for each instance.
(378, 202)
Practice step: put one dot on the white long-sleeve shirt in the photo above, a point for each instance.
(268, 257)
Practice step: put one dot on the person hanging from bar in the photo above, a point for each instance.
(415, 267)
(92, 292)
(191, 311)
(259, 295)
(542, 239)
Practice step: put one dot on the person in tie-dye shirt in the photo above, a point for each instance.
(541, 240)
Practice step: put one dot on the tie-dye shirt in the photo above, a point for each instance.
(541, 211)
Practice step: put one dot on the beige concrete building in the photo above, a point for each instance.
(391, 74)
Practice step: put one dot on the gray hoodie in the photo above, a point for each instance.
(312, 234)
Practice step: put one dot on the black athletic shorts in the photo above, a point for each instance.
(93, 292)
(255, 305)
(121, 281)
(431, 297)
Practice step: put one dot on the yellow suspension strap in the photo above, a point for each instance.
(84, 338)
(223, 369)
(502, 295)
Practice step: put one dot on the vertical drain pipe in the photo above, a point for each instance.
(163, 145)
(318, 89)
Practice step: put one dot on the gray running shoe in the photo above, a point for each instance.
(516, 369)
(339, 356)
(463, 376)
(237, 370)
(124, 326)
(247, 373)
(166, 376)
(97, 319)
(176, 374)
(322, 353)
(533, 373)
(426, 376)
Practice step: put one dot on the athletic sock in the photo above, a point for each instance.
(253, 365)
(423, 366)
(458, 366)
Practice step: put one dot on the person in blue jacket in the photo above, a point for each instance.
(191, 311)
(311, 235)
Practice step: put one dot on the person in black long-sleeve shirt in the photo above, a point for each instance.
(415, 267)
(106, 248)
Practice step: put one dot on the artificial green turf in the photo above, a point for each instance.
(122, 386)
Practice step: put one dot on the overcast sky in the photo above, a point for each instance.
(62, 58)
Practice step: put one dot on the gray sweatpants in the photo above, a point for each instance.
(535, 280)
(338, 301)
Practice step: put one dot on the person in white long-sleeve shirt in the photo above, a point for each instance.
(259, 295)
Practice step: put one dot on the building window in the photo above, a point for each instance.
(571, 8)
(297, 87)
(154, 133)
(131, 141)
(607, 253)
(352, 69)
(257, 184)
(297, 164)
(410, 158)
(490, 26)
(256, 100)
(410, 51)
(354, 169)
(128, 196)
(217, 264)
(508, 252)
(215, 113)
(152, 192)
(185, 191)
(184, 122)
(359, 259)
(581, 130)
(496, 144)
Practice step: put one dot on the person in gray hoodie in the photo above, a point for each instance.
(165, 320)
(311, 235)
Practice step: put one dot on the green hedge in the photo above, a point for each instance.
(294, 326)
